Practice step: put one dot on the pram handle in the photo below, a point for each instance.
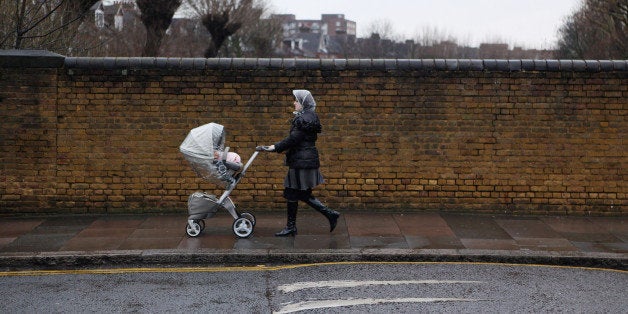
(238, 177)
(248, 163)
(263, 149)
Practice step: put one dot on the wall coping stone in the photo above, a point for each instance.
(46, 59)
(30, 59)
(494, 65)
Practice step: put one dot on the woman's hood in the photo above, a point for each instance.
(305, 98)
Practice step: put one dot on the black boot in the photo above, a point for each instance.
(291, 226)
(331, 215)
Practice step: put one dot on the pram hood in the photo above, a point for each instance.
(202, 142)
(202, 147)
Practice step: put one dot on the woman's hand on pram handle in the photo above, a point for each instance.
(270, 148)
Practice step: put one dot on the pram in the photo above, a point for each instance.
(204, 149)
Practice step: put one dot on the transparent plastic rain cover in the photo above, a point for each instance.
(202, 148)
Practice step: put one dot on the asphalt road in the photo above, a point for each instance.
(320, 288)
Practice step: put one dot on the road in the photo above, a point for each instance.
(320, 288)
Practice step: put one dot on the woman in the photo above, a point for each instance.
(303, 162)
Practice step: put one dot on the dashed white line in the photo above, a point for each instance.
(323, 304)
(287, 288)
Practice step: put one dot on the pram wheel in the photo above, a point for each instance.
(201, 222)
(249, 216)
(243, 227)
(195, 228)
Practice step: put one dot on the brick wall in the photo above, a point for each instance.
(102, 135)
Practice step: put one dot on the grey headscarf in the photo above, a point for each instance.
(304, 97)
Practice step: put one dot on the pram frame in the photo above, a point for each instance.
(243, 222)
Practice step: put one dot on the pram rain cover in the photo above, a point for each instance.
(202, 147)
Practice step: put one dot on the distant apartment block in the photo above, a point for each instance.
(329, 24)
(314, 38)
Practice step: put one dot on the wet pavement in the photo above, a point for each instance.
(426, 236)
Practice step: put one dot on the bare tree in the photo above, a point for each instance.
(435, 43)
(223, 18)
(429, 36)
(43, 24)
(383, 28)
(185, 38)
(78, 8)
(599, 30)
(257, 38)
(156, 17)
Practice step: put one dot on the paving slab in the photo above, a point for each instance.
(425, 224)
(527, 228)
(545, 244)
(14, 228)
(373, 225)
(475, 227)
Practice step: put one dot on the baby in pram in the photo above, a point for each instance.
(231, 162)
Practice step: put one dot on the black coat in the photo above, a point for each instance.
(300, 145)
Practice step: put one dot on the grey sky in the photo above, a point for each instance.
(527, 23)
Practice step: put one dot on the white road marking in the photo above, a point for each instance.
(287, 288)
(323, 304)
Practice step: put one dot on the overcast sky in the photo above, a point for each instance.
(527, 23)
